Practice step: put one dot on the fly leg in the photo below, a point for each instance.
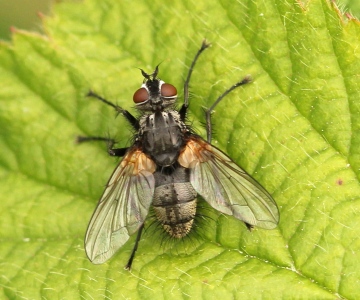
(209, 111)
(128, 116)
(112, 151)
(184, 107)
(132, 255)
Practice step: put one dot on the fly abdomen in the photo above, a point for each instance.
(174, 201)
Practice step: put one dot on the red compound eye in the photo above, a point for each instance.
(141, 95)
(168, 90)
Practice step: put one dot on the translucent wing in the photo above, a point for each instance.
(226, 187)
(123, 206)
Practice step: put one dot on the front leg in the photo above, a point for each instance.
(184, 107)
(111, 142)
(128, 116)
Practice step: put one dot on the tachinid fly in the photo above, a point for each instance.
(167, 166)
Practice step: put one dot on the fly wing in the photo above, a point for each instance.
(227, 187)
(123, 206)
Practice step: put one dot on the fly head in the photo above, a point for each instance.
(154, 94)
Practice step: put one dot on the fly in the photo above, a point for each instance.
(168, 166)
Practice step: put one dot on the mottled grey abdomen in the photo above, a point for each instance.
(174, 201)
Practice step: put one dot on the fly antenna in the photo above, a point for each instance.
(156, 71)
(146, 75)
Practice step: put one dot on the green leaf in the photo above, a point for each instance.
(351, 7)
(296, 129)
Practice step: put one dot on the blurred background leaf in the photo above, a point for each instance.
(24, 14)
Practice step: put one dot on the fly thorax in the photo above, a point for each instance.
(162, 136)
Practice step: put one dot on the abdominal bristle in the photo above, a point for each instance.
(179, 230)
